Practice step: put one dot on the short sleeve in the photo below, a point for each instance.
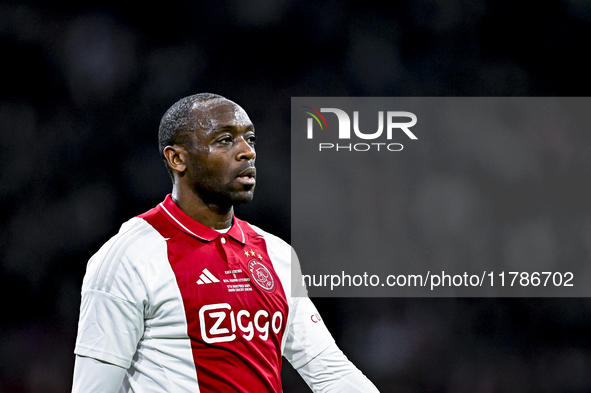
(114, 297)
(109, 328)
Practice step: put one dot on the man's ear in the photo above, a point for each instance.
(176, 158)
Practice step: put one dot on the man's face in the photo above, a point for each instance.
(221, 153)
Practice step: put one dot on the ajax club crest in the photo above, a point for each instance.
(261, 275)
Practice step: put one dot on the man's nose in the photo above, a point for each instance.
(245, 150)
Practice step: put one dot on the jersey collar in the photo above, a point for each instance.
(182, 221)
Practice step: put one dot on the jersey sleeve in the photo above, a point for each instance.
(95, 376)
(332, 372)
(114, 297)
(109, 328)
(307, 335)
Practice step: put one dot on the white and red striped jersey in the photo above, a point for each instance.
(185, 308)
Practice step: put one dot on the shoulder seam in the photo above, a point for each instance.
(110, 263)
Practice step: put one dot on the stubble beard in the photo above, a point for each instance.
(223, 195)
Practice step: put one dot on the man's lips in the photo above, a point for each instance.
(247, 176)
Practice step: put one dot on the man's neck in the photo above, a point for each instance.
(208, 214)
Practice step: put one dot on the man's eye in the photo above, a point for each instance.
(226, 140)
(251, 140)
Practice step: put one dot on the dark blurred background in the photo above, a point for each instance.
(84, 86)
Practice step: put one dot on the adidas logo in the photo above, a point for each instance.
(207, 278)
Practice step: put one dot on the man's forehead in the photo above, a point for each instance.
(219, 112)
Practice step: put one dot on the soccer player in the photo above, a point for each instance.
(189, 298)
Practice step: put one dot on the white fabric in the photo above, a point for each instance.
(94, 376)
(332, 372)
